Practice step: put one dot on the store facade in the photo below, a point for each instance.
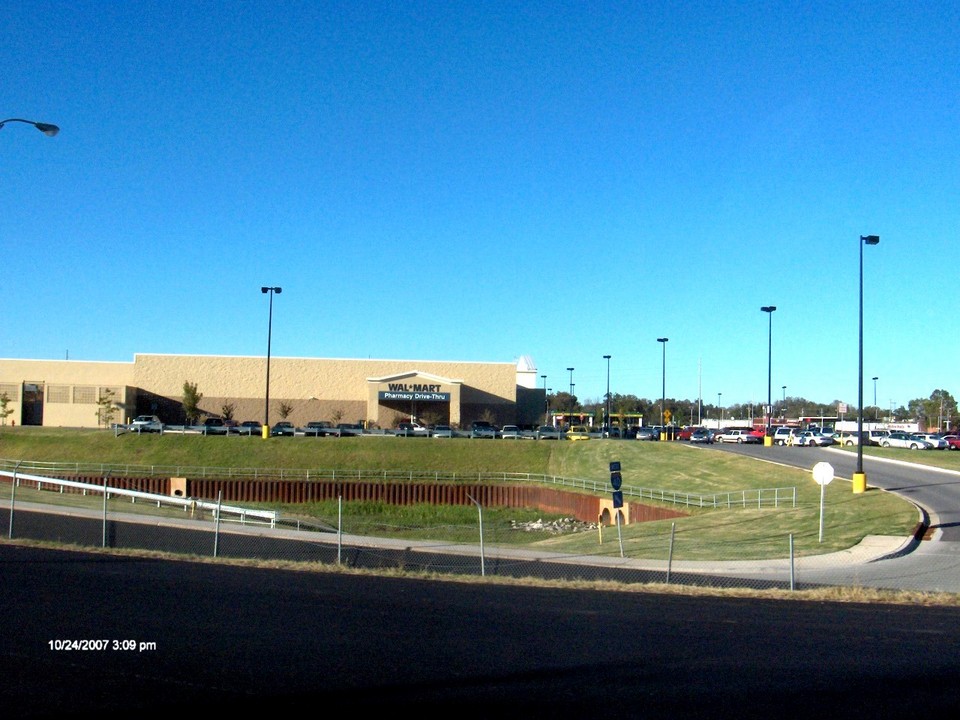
(374, 393)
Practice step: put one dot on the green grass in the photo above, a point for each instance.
(735, 533)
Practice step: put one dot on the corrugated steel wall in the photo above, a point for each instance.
(583, 507)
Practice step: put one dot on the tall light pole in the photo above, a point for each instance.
(546, 403)
(607, 358)
(859, 477)
(570, 370)
(266, 406)
(663, 388)
(876, 411)
(783, 406)
(46, 128)
(769, 310)
(720, 409)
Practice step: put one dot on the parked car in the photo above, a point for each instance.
(482, 429)
(411, 428)
(146, 423)
(510, 432)
(318, 428)
(935, 439)
(645, 433)
(782, 435)
(737, 435)
(548, 432)
(283, 429)
(701, 435)
(249, 427)
(578, 432)
(215, 426)
(811, 438)
(905, 440)
(953, 442)
(442, 431)
(348, 429)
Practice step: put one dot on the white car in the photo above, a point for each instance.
(935, 440)
(809, 438)
(146, 423)
(905, 440)
(510, 432)
(442, 431)
(737, 435)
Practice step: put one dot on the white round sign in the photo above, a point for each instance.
(823, 473)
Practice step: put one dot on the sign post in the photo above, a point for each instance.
(823, 474)
(616, 480)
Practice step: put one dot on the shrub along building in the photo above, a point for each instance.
(374, 393)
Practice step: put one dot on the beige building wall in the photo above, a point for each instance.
(69, 389)
(314, 388)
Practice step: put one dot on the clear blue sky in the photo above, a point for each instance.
(476, 181)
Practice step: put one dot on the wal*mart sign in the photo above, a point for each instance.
(422, 392)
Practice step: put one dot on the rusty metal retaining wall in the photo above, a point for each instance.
(581, 506)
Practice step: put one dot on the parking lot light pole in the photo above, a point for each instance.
(783, 406)
(46, 128)
(876, 411)
(663, 388)
(859, 477)
(769, 310)
(266, 405)
(607, 358)
(546, 402)
(719, 410)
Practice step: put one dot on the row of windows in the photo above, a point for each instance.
(79, 394)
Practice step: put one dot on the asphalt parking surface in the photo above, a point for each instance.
(215, 638)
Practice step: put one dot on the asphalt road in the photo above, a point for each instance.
(190, 639)
(931, 565)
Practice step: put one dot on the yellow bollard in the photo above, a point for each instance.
(859, 482)
(266, 431)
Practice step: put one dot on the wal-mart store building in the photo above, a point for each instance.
(376, 393)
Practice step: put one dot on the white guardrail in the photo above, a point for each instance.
(243, 515)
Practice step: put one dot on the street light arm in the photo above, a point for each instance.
(46, 128)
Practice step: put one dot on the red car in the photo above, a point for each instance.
(953, 442)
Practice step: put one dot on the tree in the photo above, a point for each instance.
(106, 408)
(191, 402)
(226, 411)
(5, 411)
(285, 410)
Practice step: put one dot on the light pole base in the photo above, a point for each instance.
(767, 441)
(859, 482)
(265, 431)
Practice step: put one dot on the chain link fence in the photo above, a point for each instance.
(45, 508)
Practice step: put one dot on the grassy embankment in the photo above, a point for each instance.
(735, 533)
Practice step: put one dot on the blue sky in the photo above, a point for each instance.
(476, 181)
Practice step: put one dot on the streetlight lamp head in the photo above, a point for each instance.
(769, 308)
(870, 239)
(663, 340)
(276, 290)
(607, 357)
(47, 129)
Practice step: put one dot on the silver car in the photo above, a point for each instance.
(905, 440)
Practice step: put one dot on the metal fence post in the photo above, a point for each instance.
(673, 528)
(13, 497)
(792, 577)
(216, 524)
